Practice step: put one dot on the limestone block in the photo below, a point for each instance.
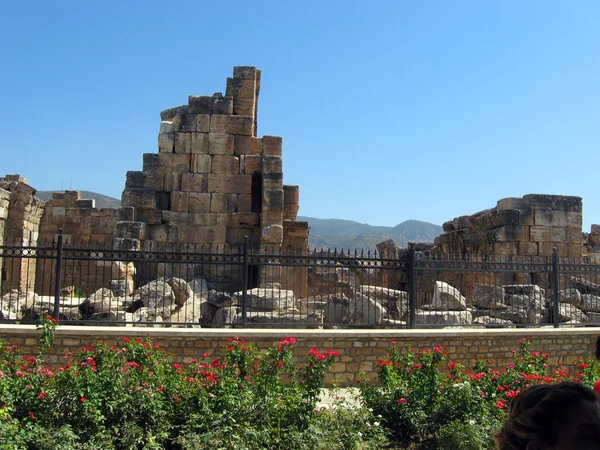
(272, 164)
(539, 233)
(241, 88)
(572, 296)
(273, 180)
(291, 194)
(203, 219)
(246, 72)
(247, 145)
(272, 234)
(136, 179)
(239, 220)
(238, 125)
(244, 203)
(595, 228)
(132, 230)
(225, 164)
(510, 203)
(91, 203)
(171, 114)
(232, 203)
(218, 202)
(188, 123)
(266, 299)
(220, 143)
(175, 218)
(166, 140)
(158, 233)
(199, 202)
(594, 239)
(574, 235)
(126, 244)
(126, 213)
(273, 199)
(198, 143)
(550, 217)
(558, 234)
(271, 218)
(201, 163)
(512, 233)
(202, 123)
(192, 182)
(590, 303)
(244, 106)
(172, 161)
(443, 317)
(272, 145)
(290, 211)
(180, 201)
(229, 184)
(250, 164)
(505, 248)
(149, 216)
(172, 181)
(139, 198)
(236, 236)
(485, 294)
(446, 297)
(59, 211)
(183, 143)
(547, 248)
(528, 248)
(574, 250)
(210, 105)
(205, 235)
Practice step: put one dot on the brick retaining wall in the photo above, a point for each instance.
(359, 349)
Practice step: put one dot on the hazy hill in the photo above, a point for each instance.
(338, 233)
(102, 201)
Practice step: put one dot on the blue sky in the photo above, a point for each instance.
(388, 110)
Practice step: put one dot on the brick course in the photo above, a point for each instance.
(359, 349)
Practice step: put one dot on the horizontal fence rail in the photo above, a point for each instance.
(239, 286)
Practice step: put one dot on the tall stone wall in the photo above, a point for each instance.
(212, 182)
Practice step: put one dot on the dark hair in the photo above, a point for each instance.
(598, 348)
(535, 415)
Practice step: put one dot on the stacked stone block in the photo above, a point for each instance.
(528, 226)
(213, 181)
(21, 227)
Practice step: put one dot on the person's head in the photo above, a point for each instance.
(598, 348)
(562, 416)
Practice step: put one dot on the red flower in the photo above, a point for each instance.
(32, 415)
(126, 339)
(401, 400)
(82, 399)
(597, 387)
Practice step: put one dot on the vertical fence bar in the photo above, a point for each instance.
(556, 303)
(57, 287)
(412, 287)
(245, 281)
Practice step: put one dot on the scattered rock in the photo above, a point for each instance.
(447, 298)
(486, 294)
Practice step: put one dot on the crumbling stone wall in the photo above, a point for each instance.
(20, 227)
(531, 226)
(213, 181)
(83, 225)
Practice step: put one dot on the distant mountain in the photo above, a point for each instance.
(102, 201)
(347, 234)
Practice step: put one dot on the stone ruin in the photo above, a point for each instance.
(213, 182)
(517, 229)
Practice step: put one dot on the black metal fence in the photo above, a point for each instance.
(211, 286)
